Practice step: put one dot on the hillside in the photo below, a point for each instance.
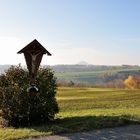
(93, 74)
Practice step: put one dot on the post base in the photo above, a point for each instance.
(32, 89)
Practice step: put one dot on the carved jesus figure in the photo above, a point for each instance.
(33, 60)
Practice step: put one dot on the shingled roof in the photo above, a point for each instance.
(36, 44)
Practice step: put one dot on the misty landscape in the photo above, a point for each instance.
(95, 75)
(88, 75)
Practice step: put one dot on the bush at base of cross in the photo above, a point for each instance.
(21, 108)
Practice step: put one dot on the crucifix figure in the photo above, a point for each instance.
(34, 56)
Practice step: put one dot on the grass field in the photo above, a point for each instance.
(83, 109)
(89, 102)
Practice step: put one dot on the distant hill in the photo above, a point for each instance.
(95, 74)
(92, 68)
(82, 63)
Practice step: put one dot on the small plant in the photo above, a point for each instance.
(21, 108)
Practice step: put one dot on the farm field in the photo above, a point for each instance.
(98, 101)
(83, 109)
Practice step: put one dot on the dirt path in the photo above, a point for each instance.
(119, 133)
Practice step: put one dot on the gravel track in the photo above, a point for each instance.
(118, 133)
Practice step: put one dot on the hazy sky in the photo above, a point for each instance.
(97, 31)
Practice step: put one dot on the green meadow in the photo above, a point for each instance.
(83, 109)
(94, 101)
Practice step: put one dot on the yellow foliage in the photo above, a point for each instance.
(132, 82)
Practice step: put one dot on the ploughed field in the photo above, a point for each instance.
(83, 109)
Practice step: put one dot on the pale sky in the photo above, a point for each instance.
(100, 32)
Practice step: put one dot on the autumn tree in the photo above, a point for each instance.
(132, 82)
